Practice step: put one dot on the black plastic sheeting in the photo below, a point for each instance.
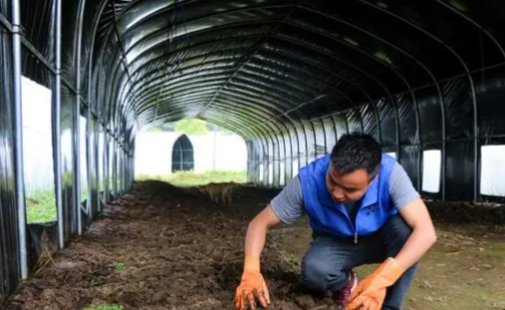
(290, 76)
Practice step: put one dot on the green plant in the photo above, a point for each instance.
(120, 266)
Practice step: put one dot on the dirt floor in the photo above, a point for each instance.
(160, 247)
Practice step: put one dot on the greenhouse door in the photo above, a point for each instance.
(183, 155)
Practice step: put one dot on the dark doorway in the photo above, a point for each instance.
(183, 155)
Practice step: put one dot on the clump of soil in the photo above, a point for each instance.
(161, 247)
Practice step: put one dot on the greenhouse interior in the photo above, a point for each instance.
(140, 140)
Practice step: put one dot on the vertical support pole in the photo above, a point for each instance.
(290, 161)
(89, 206)
(315, 141)
(325, 142)
(297, 152)
(397, 126)
(444, 147)
(77, 120)
(57, 125)
(106, 166)
(18, 137)
(96, 155)
(476, 164)
(77, 159)
(114, 167)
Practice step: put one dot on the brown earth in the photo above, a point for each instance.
(160, 247)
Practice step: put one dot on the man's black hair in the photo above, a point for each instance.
(356, 151)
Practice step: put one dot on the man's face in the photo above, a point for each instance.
(347, 188)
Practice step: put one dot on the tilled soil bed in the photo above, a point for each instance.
(161, 247)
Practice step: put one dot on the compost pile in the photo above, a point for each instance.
(162, 247)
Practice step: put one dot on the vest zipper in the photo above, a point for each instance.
(356, 226)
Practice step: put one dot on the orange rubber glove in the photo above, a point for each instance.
(369, 294)
(252, 286)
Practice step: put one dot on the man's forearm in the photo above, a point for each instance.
(419, 242)
(255, 238)
(257, 231)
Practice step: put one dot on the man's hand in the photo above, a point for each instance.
(251, 287)
(252, 284)
(370, 293)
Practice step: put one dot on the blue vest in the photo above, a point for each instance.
(328, 217)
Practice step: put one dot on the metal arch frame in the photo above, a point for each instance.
(255, 48)
(378, 82)
(358, 112)
(291, 110)
(315, 142)
(262, 132)
(387, 90)
(229, 119)
(246, 116)
(297, 148)
(226, 27)
(147, 96)
(468, 19)
(376, 37)
(334, 129)
(103, 119)
(268, 161)
(76, 120)
(159, 43)
(206, 43)
(286, 154)
(245, 99)
(324, 136)
(254, 160)
(390, 67)
(142, 22)
(120, 64)
(94, 76)
(245, 89)
(302, 124)
(442, 99)
(118, 78)
(183, 76)
(476, 185)
(264, 150)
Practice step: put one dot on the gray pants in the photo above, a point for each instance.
(328, 258)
